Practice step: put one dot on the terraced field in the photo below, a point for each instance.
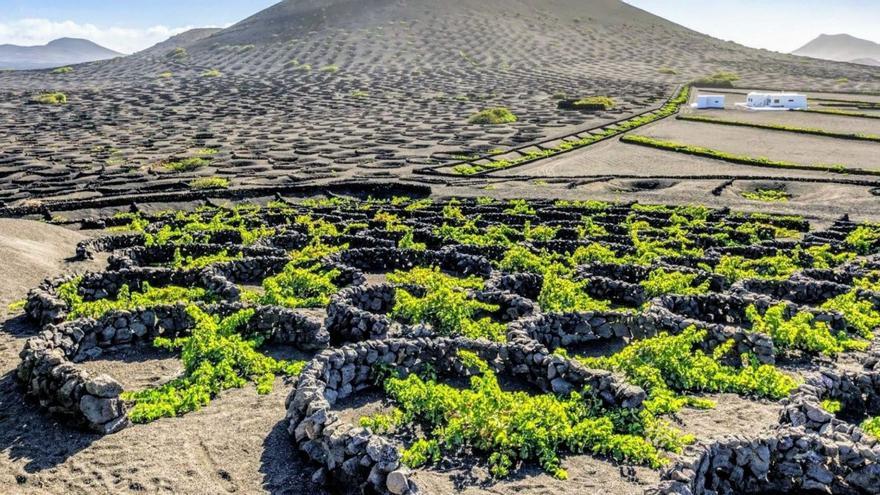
(485, 339)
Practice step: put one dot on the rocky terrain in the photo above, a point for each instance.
(299, 174)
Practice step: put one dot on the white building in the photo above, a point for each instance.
(709, 101)
(776, 101)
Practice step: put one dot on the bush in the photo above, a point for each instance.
(212, 73)
(590, 103)
(717, 80)
(509, 427)
(331, 69)
(55, 98)
(186, 164)
(215, 358)
(166, 75)
(209, 183)
(800, 332)
(446, 304)
(177, 54)
(63, 70)
(767, 195)
(493, 116)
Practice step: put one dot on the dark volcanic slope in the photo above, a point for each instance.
(358, 89)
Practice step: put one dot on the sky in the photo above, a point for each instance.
(779, 25)
(131, 25)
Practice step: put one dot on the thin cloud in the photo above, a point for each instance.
(125, 40)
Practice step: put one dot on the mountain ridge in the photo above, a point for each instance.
(58, 52)
(841, 48)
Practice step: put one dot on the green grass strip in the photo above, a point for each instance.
(842, 113)
(670, 108)
(785, 128)
(739, 159)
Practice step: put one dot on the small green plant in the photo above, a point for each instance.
(590, 103)
(62, 70)
(166, 75)
(800, 332)
(178, 53)
(561, 294)
(667, 71)
(359, 94)
(669, 365)
(446, 304)
(209, 183)
(186, 164)
(148, 297)
(717, 80)
(661, 281)
(215, 358)
(865, 239)
(832, 406)
(508, 427)
(767, 195)
(330, 69)
(212, 73)
(55, 98)
(872, 426)
(493, 116)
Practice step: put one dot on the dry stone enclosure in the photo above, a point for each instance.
(567, 327)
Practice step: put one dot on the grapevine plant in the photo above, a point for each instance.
(509, 427)
(215, 358)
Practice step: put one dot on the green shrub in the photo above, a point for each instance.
(859, 314)
(212, 73)
(661, 281)
(865, 239)
(800, 332)
(561, 294)
(508, 427)
(55, 98)
(590, 103)
(667, 71)
(718, 80)
(668, 365)
(832, 406)
(209, 183)
(446, 304)
(493, 116)
(767, 195)
(872, 427)
(148, 297)
(166, 75)
(186, 164)
(215, 358)
(63, 70)
(177, 53)
(332, 69)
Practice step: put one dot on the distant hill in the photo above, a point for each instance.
(63, 51)
(867, 61)
(842, 48)
(181, 40)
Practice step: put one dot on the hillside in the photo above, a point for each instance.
(63, 51)
(842, 48)
(181, 40)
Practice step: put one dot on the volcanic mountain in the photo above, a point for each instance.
(606, 39)
(842, 48)
(63, 51)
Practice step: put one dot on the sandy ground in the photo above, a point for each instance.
(237, 444)
(791, 147)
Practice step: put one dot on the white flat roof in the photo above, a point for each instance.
(775, 94)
